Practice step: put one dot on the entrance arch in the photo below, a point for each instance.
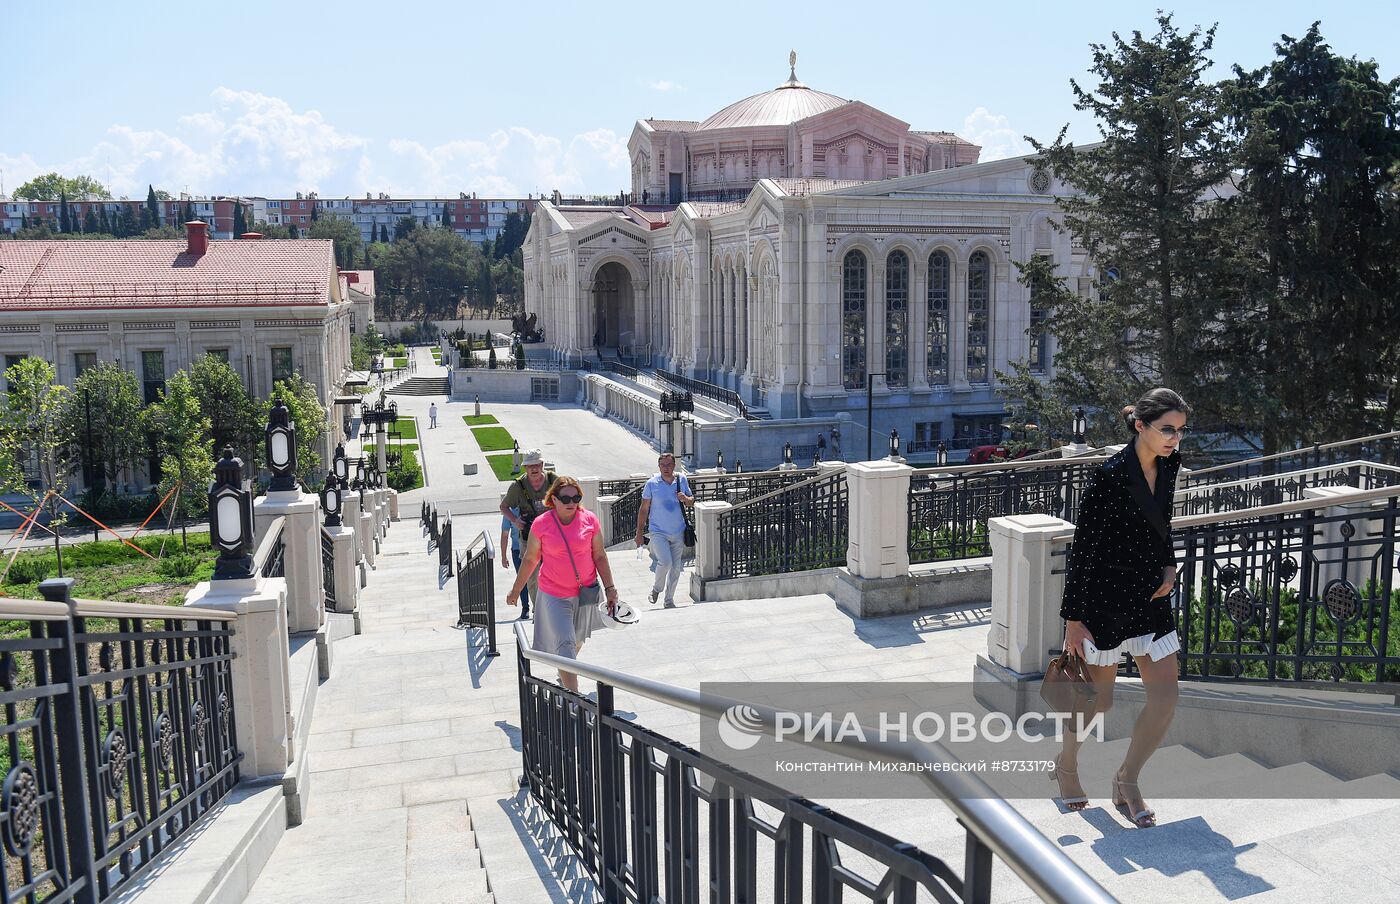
(614, 320)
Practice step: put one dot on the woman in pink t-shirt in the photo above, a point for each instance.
(566, 543)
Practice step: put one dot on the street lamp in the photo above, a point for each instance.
(339, 464)
(719, 459)
(894, 443)
(281, 448)
(330, 500)
(787, 453)
(231, 519)
(1081, 424)
(942, 454)
(738, 466)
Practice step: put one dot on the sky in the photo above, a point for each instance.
(504, 99)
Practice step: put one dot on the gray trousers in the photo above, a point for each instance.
(669, 552)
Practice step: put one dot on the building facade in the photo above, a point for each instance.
(813, 290)
(218, 213)
(270, 309)
(473, 218)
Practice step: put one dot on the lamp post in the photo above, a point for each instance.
(738, 466)
(339, 466)
(942, 454)
(1081, 424)
(787, 453)
(894, 443)
(719, 459)
(281, 447)
(231, 519)
(836, 441)
(869, 413)
(331, 500)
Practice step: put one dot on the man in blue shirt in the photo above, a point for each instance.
(661, 514)
(510, 540)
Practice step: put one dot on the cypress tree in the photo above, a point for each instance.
(128, 226)
(65, 224)
(240, 223)
(384, 233)
(151, 217)
(104, 225)
(446, 217)
(90, 221)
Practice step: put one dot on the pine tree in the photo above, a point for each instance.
(240, 223)
(65, 224)
(128, 226)
(151, 218)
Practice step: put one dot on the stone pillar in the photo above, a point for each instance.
(1074, 450)
(381, 450)
(707, 554)
(604, 511)
(302, 557)
(589, 486)
(350, 517)
(394, 504)
(1355, 566)
(369, 543)
(262, 703)
(879, 499)
(347, 579)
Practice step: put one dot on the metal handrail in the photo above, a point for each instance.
(269, 541)
(1207, 488)
(1016, 465)
(790, 487)
(1049, 872)
(1313, 448)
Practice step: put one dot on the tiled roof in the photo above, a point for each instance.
(800, 187)
(673, 125)
(579, 217)
(366, 283)
(60, 275)
(651, 216)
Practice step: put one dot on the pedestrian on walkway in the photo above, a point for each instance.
(661, 514)
(525, 501)
(566, 545)
(432, 415)
(1118, 592)
(510, 540)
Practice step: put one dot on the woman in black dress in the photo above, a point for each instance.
(1118, 590)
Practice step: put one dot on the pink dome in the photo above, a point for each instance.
(782, 106)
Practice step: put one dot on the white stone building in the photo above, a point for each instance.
(811, 281)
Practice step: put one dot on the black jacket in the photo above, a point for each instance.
(1122, 541)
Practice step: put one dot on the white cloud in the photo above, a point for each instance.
(665, 85)
(252, 143)
(994, 133)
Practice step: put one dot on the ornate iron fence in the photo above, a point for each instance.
(1303, 595)
(118, 737)
(1380, 447)
(328, 569)
(652, 819)
(624, 513)
(620, 487)
(798, 528)
(739, 488)
(1284, 487)
(269, 557)
(476, 589)
(948, 509)
(709, 391)
(444, 548)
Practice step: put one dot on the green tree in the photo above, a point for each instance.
(343, 233)
(101, 414)
(240, 222)
(90, 224)
(315, 210)
(384, 233)
(308, 415)
(404, 227)
(187, 215)
(234, 418)
(180, 433)
(65, 220)
(512, 236)
(1135, 205)
(51, 186)
(446, 216)
(1312, 268)
(150, 217)
(33, 423)
(272, 230)
(292, 231)
(128, 225)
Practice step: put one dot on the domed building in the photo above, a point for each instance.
(809, 253)
(792, 131)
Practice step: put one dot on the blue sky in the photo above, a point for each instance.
(423, 98)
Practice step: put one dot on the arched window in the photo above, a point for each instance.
(897, 319)
(938, 280)
(979, 298)
(853, 321)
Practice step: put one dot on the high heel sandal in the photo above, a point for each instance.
(1143, 819)
(1073, 804)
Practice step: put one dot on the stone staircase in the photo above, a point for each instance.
(421, 386)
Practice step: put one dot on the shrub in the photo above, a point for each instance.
(180, 565)
(407, 474)
(31, 569)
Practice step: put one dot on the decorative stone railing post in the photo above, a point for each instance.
(707, 539)
(347, 583)
(262, 700)
(394, 501)
(365, 533)
(350, 517)
(879, 532)
(1026, 595)
(302, 558)
(589, 486)
(604, 511)
(1333, 566)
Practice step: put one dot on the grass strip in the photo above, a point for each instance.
(479, 420)
(406, 426)
(493, 439)
(501, 466)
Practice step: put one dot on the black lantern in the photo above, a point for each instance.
(719, 459)
(339, 465)
(360, 472)
(231, 519)
(787, 453)
(364, 412)
(942, 454)
(331, 501)
(738, 466)
(1081, 424)
(281, 446)
(393, 412)
(894, 443)
(821, 443)
(816, 458)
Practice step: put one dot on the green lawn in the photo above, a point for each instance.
(479, 420)
(110, 570)
(501, 466)
(493, 439)
(398, 362)
(406, 427)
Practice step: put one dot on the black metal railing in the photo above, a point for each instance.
(1381, 447)
(1292, 593)
(618, 367)
(948, 508)
(739, 488)
(118, 737)
(271, 552)
(653, 819)
(624, 513)
(444, 548)
(709, 391)
(798, 528)
(1282, 487)
(620, 487)
(476, 589)
(328, 569)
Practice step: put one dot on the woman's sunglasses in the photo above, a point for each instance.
(568, 500)
(1171, 432)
